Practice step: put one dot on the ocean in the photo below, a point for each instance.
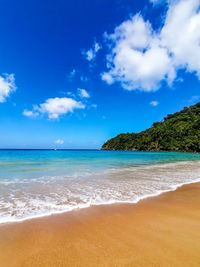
(36, 183)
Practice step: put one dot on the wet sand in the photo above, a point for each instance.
(158, 231)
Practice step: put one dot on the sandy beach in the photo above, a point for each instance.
(158, 231)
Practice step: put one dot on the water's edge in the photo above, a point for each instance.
(88, 205)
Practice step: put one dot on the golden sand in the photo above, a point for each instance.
(158, 231)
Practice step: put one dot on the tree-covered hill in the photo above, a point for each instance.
(177, 132)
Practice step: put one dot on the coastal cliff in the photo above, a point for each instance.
(177, 132)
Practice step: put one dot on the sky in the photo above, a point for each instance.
(76, 73)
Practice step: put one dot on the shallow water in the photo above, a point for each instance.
(40, 182)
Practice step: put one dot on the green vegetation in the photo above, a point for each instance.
(177, 132)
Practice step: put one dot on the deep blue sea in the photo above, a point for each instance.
(42, 182)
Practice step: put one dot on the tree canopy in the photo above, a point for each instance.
(177, 132)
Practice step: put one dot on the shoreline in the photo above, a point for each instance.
(88, 206)
(112, 202)
(177, 151)
(156, 231)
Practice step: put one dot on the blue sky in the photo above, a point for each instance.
(75, 73)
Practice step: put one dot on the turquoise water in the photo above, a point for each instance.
(41, 182)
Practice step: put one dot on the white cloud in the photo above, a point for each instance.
(181, 34)
(154, 103)
(141, 57)
(55, 107)
(156, 2)
(83, 93)
(30, 113)
(107, 77)
(72, 74)
(7, 85)
(92, 52)
(70, 94)
(59, 142)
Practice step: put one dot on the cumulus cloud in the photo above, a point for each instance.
(141, 57)
(181, 34)
(59, 142)
(55, 107)
(154, 103)
(92, 52)
(7, 86)
(30, 113)
(83, 93)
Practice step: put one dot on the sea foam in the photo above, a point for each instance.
(25, 198)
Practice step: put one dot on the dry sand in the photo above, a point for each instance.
(158, 231)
